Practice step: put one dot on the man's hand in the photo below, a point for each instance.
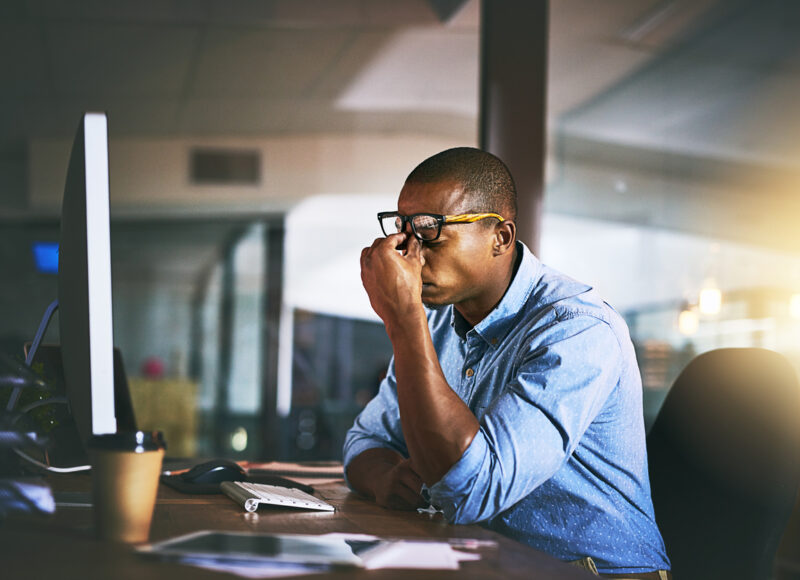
(399, 488)
(392, 275)
(388, 477)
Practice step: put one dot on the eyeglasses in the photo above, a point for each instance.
(427, 226)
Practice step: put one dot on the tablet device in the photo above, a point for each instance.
(255, 548)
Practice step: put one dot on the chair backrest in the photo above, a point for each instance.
(724, 456)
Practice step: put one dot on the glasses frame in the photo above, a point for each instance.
(461, 218)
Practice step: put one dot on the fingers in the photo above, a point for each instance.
(392, 242)
(413, 247)
(402, 489)
(413, 482)
(409, 477)
(403, 498)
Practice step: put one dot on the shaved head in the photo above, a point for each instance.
(486, 181)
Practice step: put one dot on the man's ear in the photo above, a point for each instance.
(505, 235)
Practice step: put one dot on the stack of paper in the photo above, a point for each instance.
(270, 556)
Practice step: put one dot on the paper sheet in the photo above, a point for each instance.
(395, 554)
(417, 555)
(410, 554)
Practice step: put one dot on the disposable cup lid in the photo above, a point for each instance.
(128, 441)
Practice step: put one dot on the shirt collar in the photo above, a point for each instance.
(499, 321)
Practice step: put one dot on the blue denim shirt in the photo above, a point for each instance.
(559, 462)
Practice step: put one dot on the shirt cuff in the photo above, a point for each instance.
(451, 492)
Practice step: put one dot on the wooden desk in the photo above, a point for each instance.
(63, 547)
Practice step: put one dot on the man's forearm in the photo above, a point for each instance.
(364, 469)
(437, 425)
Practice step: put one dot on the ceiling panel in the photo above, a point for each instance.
(288, 13)
(32, 117)
(238, 116)
(128, 115)
(131, 11)
(275, 62)
(773, 122)
(580, 68)
(594, 45)
(727, 90)
(394, 14)
(350, 62)
(23, 60)
(311, 115)
(102, 59)
(400, 76)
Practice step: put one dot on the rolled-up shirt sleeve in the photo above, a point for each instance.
(563, 378)
(378, 424)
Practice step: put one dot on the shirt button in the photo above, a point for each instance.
(470, 372)
(494, 341)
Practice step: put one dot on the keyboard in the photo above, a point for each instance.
(251, 495)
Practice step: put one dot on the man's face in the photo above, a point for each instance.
(457, 266)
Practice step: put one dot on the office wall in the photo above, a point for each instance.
(24, 292)
(13, 185)
(154, 174)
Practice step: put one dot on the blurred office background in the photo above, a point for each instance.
(252, 143)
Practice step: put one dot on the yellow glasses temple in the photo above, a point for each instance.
(471, 217)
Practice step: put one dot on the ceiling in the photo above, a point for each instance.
(727, 90)
(239, 67)
(256, 67)
(703, 138)
(694, 90)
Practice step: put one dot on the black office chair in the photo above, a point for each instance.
(724, 457)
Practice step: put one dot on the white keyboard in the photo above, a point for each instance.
(251, 495)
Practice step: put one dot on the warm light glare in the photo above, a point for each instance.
(239, 439)
(710, 300)
(794, 305)
(688, 322)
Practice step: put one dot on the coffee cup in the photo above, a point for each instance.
(125, 473)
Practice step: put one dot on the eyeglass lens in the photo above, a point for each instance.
(425, 226)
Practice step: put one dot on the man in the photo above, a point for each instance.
(515, 399)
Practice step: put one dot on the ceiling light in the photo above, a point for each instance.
(650, 21)
(710, 299)
(688, 322)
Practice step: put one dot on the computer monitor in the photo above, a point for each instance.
(84, 282)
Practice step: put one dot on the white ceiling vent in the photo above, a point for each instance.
(225, 167)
